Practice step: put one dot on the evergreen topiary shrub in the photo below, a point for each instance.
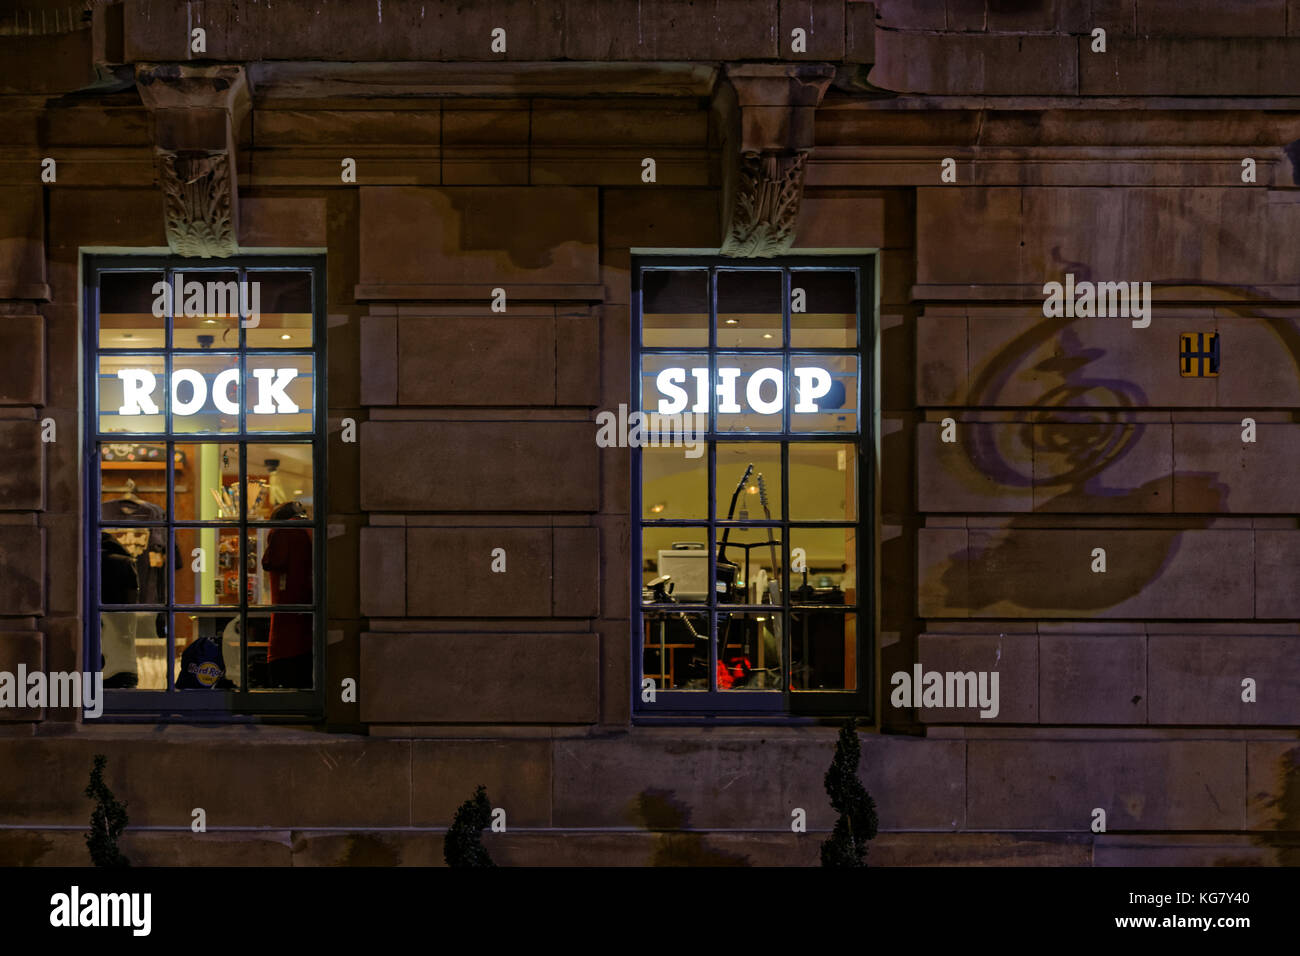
(856, 824)
(107, 821)
(463, 845)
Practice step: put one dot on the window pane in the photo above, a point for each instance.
(126, 311)
(750, 393)
(282, 475)
(675, 308)
(676, 650)
(682, 555)
(750, 562)
(749, 309)
(674, 384)
(133, 481)
(823, 650)
(132, 393)
(208, 488)
(132, 653)
(823, 481)
(749, 651)
(825, 389)
(278, 396)
(283, 319)
(205, 393)
(286, 640)
(133, 565)
(733, 459)
(673, 485)
(282, 569)
(829, 319)
(208, 306)
(823, 565)
(207, 571)
(207, 651)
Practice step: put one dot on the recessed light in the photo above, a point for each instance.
(209, 321)
(285, 337)
(731, 321)
(657, 508)
(767, 335)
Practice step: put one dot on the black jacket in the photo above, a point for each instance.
(118, 581)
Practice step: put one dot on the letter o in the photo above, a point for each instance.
(754, 387)
(199, 386)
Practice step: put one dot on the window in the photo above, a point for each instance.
(753, 568)
(205, 472)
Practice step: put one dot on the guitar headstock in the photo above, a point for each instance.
(762, 490)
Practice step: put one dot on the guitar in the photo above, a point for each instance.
(774, 585)
(729, 571)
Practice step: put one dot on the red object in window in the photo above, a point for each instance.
(736, 669)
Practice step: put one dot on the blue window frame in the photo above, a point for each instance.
(205, 485)
(752, 543)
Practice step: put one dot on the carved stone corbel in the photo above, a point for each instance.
(198, 113)
(767, 120)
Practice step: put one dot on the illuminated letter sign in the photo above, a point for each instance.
(764, 392)
(138, 386)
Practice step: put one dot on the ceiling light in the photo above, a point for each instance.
(731, 321)
(285, 337)
(767, 335)
(209, 321)
(657, 508)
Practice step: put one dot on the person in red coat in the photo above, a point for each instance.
(288, 559)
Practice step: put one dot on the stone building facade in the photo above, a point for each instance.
(964, 153)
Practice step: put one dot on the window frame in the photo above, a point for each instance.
(208, 705)
(763, 706)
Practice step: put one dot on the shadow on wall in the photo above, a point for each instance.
(1080, 428)
(657, 811)
(1287, 807)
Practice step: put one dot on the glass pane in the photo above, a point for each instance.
(281, 486)
(750, 393)
(132, 393)
(749, 651)
(823, 650)
(676, 651)
(282, 569)
(286, 638)
(207, 571)
(825, 390)
(672, 385)
(133, 565)
(674, 565)
(749, 562)
(133, 481)
(205, 392)
(132, 651)
(207, 651)
(823, 565)
(279, 393)
(208, 307)
(673, 485)
(823, 481)
(745, 502)
(282, 310)
(131, 315)
(823, 309)
(749, 309)
(209, 488)
(675, 308)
